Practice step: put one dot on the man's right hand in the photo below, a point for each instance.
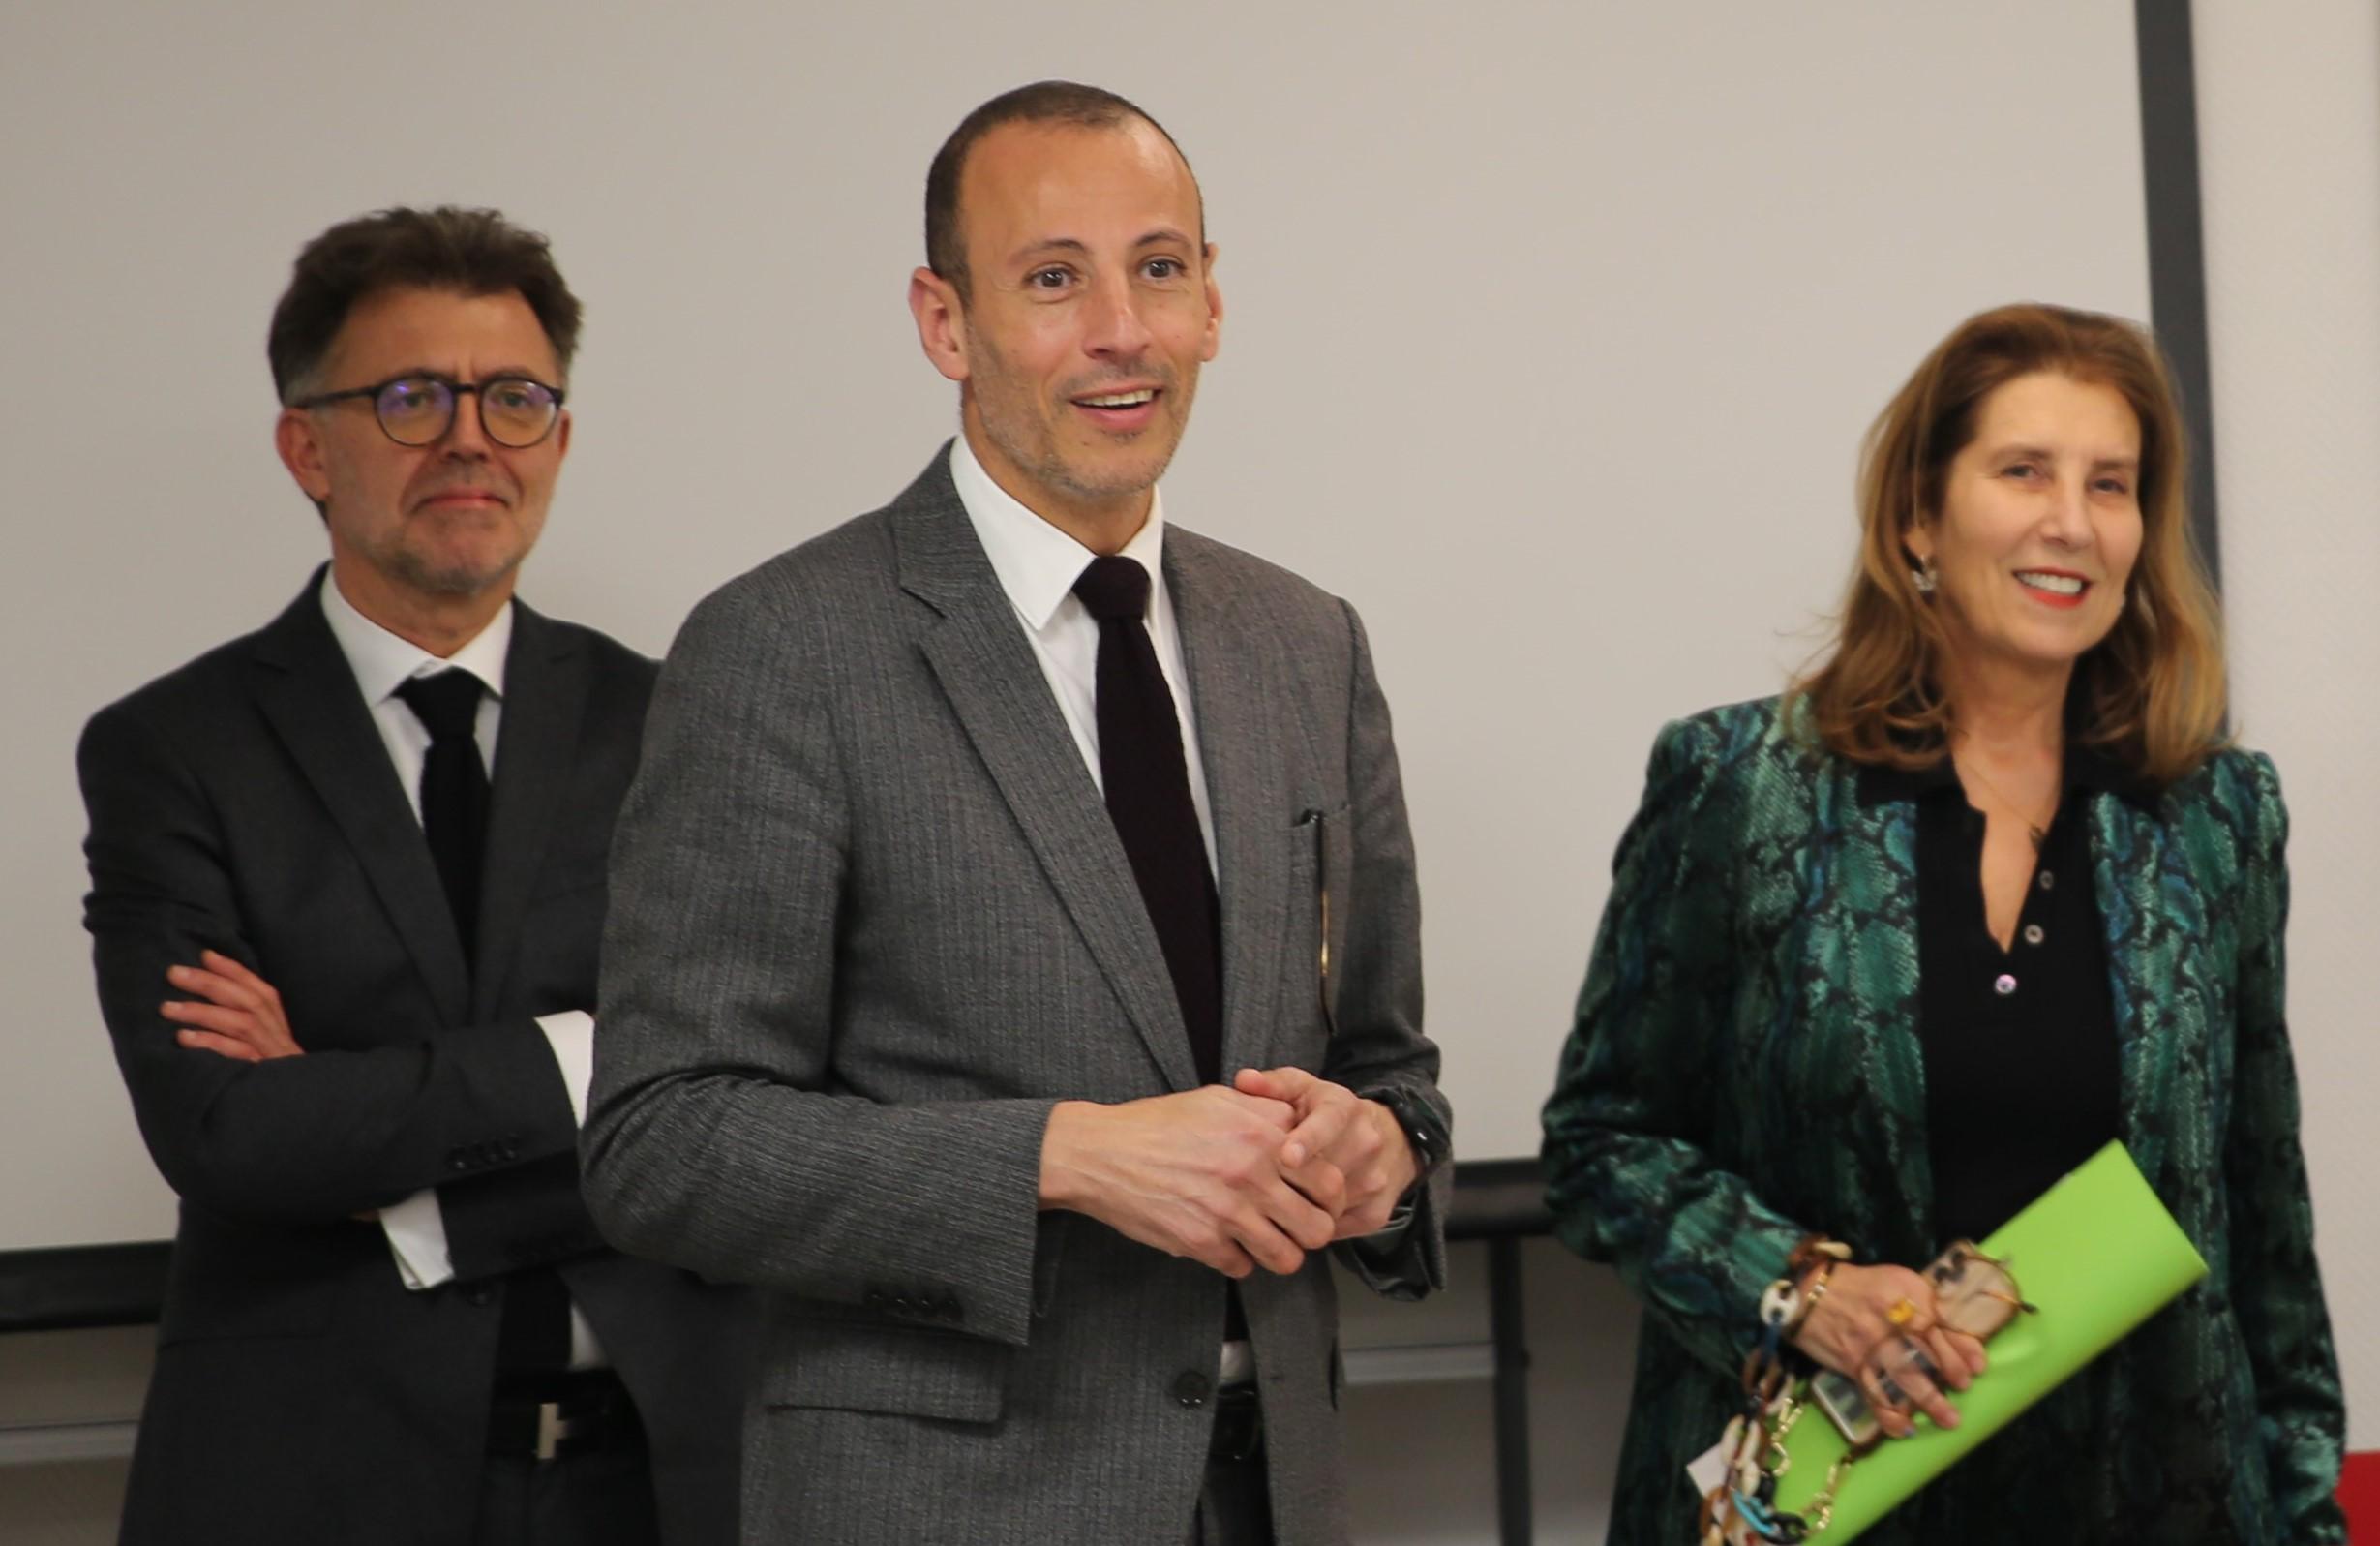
(237, 1015)
(1195, 1174)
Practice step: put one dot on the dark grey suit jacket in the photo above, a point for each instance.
(871, 920)
(246, 803)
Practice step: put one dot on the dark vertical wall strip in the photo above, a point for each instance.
(2177, 238)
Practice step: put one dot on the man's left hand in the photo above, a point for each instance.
(236, 1013)
(1349, 1155)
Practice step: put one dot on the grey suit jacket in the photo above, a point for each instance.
(870, 921)
(246, 803)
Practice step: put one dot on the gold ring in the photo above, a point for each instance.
(1902, 1313)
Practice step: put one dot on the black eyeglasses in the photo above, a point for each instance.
(517, 411)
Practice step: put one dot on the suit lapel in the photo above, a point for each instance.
(545, 693)
(307, 694)
(1238, 710)
(2152, 916)
(979, 651)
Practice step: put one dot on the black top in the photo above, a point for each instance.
(2020, 1045)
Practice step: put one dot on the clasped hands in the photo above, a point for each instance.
(1862, 1328)
(1253, 1174)
(1256, 1174)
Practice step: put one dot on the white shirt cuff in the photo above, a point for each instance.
(416, 1234)
(572, 1036)
(416, 1229)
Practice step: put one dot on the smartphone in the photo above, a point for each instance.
(1846, 1405)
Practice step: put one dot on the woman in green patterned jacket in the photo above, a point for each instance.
(1885, 956)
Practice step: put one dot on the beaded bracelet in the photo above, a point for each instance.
(1787, 1303)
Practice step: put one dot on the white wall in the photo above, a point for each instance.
(1443, 250)
(2289, 126)
(1550, 329)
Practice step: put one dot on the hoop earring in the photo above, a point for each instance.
(1925, 577)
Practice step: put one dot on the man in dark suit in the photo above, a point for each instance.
(1013, 964)
(347, 880)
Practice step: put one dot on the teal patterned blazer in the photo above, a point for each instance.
(1745, 1070)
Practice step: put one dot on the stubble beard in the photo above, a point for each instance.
(1012, 421)
(451, 577)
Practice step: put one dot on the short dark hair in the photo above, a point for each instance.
(1044, 102)
(471, 252)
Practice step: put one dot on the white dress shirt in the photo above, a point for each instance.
(382, 662)
(1038, 566)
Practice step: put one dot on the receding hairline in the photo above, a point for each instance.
(1048, 105)
(1053, 241)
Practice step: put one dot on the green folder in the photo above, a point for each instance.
(2098, 1254)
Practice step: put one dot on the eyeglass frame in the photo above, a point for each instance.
(456, 392)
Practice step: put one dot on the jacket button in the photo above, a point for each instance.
(478, 1296)
(1192, 1388)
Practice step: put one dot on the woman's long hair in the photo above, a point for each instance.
(2151, 693)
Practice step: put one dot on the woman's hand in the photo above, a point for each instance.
(1867, 1325)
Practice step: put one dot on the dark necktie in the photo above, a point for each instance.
(1147, 786)
(534, 1335)
(454, 790)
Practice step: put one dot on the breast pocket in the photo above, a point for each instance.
(869, 1366)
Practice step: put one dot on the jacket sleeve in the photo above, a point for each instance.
(1629, 1175)
(715, 1139)
(299, 1140)
(2276, 1283)
(1381, 1042)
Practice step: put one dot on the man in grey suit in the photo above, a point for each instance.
(1013, 959)
(347, 889)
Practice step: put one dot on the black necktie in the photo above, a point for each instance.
(454, 790)
(534, 1334)
(1147, 785)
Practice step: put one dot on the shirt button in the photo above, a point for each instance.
(2034, 935)
(2048, 880)
(1192, 1388)
(2004, 984)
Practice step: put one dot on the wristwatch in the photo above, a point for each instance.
(1419, 1120)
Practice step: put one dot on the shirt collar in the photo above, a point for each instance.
(1037, 563)
(382, 662)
